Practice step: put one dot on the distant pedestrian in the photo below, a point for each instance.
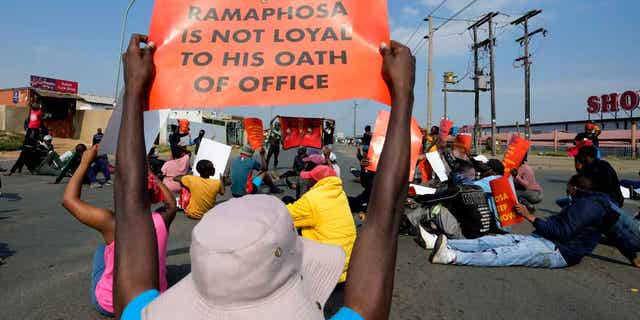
(97, 138)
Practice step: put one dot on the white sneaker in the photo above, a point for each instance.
(95, 185)
(441, 254)
(428, 238)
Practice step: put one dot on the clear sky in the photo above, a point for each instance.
(591, 49)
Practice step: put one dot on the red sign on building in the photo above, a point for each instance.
(50, 84)
(613, 102)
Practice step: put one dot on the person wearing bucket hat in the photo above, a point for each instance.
(268, 272)
(323, 213)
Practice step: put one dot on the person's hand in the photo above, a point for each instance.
(263, 151)
(398, 68)
(90, 154)
(139, 69)
(522, 210)
(422, 156)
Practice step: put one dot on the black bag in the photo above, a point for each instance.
(471, 209)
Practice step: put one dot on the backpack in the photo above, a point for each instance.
(471, 209)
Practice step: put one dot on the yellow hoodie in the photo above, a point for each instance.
(323, 215)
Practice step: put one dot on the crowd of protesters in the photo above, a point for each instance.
(257, 255)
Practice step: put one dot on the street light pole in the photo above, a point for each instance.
(122, 31)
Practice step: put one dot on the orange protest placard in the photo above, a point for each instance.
(505, 198)
(255, 136)
(517, 149)
(301, 132)
(220, 53)
(379, 135)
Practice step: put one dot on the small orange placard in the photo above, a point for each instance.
(505, 198)
(255, 136)
(379, 136)
(220, 53)
(517, 149)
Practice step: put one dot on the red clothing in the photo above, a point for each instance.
(527, 178)
(35, 117)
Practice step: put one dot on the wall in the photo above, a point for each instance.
(12, 118)
(86, 123)
(6, 97)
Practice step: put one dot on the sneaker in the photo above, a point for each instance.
(441, 254)
(95, 185)
(108, 183)
(429, 239)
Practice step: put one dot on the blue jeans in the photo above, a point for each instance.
(625, 233)
(100, 165)
(507, 250)
(96, 274)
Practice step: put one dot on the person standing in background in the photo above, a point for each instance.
(328, 133)
(274, 140)
(97, 138)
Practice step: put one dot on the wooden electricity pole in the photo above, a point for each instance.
(490, 42)
(524, 41)
(430, 74)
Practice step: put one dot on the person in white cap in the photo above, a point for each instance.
(247, 260)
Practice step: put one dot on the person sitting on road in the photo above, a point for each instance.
(557, 242)
(175, 168)
(607, 181)
(242, 179)
(104, 221)
(203, 190)
(528, 190)
(266, 270)
(72, 163)
(323, 213)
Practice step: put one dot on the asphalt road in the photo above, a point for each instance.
(48, 275)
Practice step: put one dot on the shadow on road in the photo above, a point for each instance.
(11, 196)
(5, 252)
(175, 273)
(610, 260)
(556, 180)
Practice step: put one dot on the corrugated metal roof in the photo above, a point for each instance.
(96, 99)
(53, 94)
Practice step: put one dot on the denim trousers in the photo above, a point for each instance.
(507, 250)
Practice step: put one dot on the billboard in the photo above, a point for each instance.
(50, 84)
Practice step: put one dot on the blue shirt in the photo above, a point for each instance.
(240, 169)
(133, 311)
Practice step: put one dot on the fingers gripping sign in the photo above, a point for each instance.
(139, 70)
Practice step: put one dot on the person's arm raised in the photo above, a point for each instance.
(97, 218)
(370, 281)
(136, 256)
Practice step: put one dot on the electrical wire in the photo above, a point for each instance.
(422, 22)
(456, 14)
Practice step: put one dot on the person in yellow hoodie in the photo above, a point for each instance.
(323, 213)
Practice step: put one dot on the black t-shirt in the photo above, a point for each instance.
(97, 138)
(366, 139)
(328, 136)
(606, 180)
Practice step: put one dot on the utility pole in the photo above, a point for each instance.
(355, 105)
(477, 73)
(493, 84)
(430, 73)
(524, 41)
(476, 89)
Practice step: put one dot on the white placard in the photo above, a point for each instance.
(437, 165)
(481, 158)
(626, 192)
(152, 123)
(422, 190)
(216, 152)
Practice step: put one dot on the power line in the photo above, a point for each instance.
(422, 22)
(456, 14)
(419, 45)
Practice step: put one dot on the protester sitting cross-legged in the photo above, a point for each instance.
(242, 179)
(558, 241)
(175, 168)
(247, 260)
(323, 213)
(528, 190)
(103, 221)
(607, 181)
(203, 190)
